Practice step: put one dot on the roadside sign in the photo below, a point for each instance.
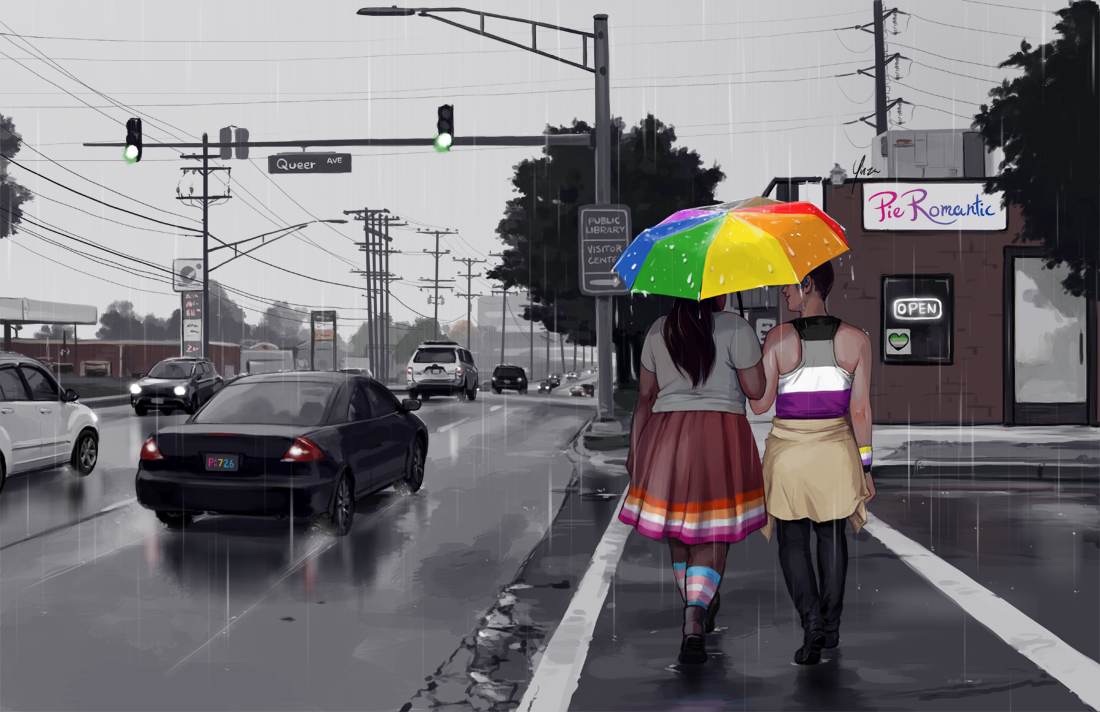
(191, 328)
(187, 274)
(289, 163)
(323, 331)
(604, 236)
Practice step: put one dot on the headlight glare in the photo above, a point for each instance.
(135, 389)
(179, 390)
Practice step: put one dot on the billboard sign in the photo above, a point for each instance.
(322, 329)
(604, 236)
(931, 206)
(191, 327)
(187, 274)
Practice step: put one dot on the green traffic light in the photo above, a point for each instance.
(130, 154)
(443, 142)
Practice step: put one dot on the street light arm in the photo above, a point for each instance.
(483, 33)
(257, 237)
(290, 231)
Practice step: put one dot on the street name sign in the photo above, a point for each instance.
(604, 236)
(289, 163)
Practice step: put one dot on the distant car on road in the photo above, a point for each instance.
(183, 382)
(358, 371)
(304, 444)
(554, 379)
(576, 391)
(545, 387)
(572, 376)
(42, 425)
(507, 377)
(583, 390)
(441, 368)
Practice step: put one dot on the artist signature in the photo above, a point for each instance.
(861, 170)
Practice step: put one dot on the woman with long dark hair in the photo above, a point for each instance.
(695, 475)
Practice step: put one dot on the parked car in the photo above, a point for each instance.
(441, 368)
(507, 377)
(572, 376)
(183, 382)
(302, 444)
(41, 424)
(545, 387)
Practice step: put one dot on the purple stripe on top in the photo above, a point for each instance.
(812, 405)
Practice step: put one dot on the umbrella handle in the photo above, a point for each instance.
(740, 305)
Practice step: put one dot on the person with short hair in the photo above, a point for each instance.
(817, 457)
(695, 475)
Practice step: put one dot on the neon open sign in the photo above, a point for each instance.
(918, 309)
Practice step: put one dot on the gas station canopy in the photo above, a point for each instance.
(32, 311)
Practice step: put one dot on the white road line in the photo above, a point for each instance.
(559, 671)
(495, 408)
(1074, 670)
(448, 426)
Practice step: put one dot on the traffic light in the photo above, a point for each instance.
(132, 152)
(225, 136)
(445, 128)
(242, 137)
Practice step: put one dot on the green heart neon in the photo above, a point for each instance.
(898, 341)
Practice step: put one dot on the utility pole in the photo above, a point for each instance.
(437, 281)
(375, 245)
(602, 74)
(469, 295)
(206, 199)
(503, 318)
(880, 69)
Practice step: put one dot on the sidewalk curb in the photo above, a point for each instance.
(106, 401)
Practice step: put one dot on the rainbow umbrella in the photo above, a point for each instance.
(704, 252)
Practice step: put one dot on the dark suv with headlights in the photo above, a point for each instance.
(507, 377)
(183, 383)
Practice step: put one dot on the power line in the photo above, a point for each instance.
(968, 29)
(941, 96)
(97, 200)
(100, 217)
(1010, 7)
(949, 59)
(948, 71)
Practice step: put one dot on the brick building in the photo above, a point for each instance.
(94, 357)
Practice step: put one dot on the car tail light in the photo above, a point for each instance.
(303, 450)
(410, 370)
(520, 379)
(494, 378)
(149, 450)
(458, 371)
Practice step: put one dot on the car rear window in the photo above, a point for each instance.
(171, 369)
(434, 356)
(510, 372)
(300, 403)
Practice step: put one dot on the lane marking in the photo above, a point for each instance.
(1079, 673)
(68, 525)
(448, 426)
(559, 671)
(495, 408)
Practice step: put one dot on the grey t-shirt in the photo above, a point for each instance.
(737, 347)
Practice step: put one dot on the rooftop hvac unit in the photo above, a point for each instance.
(944, 153)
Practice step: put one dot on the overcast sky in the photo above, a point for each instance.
(749, 84)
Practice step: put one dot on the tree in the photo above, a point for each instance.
(539, 228)
(53, 332)
(458, 332)
(120, 321)
(423, 330)
(282, 326)
(1048, 123)
(12, 195)
(227, 323)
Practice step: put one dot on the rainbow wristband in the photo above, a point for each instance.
(865, 455)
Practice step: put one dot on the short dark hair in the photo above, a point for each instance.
(823, 279)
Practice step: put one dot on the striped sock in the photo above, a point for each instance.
(702, 583)
(679, 570)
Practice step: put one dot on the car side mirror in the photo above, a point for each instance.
(70, 395)
(139, 375)
(410, 404)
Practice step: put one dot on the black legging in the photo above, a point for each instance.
(819, 599)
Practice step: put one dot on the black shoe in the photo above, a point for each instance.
(810, 652)
(832, 639)
(692, 651)
(712, 611)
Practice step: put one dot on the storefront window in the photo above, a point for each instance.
(1049, 335)
(918, 319)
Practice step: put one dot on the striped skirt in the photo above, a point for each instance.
(697, 477)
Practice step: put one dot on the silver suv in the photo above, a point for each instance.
(441, 368)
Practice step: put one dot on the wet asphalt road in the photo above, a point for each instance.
(108, 610)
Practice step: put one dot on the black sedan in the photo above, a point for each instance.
(299, 444)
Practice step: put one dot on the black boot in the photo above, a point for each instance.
(692, 649)
(810, 652)
(832, 639)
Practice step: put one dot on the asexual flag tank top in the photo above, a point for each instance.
(818, 387)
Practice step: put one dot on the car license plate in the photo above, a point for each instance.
(507, 380)
(220, 462)
(157, 401)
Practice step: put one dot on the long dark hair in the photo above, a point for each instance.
(689, 336)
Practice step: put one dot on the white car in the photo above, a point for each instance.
(441, 368)
(42, 425)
